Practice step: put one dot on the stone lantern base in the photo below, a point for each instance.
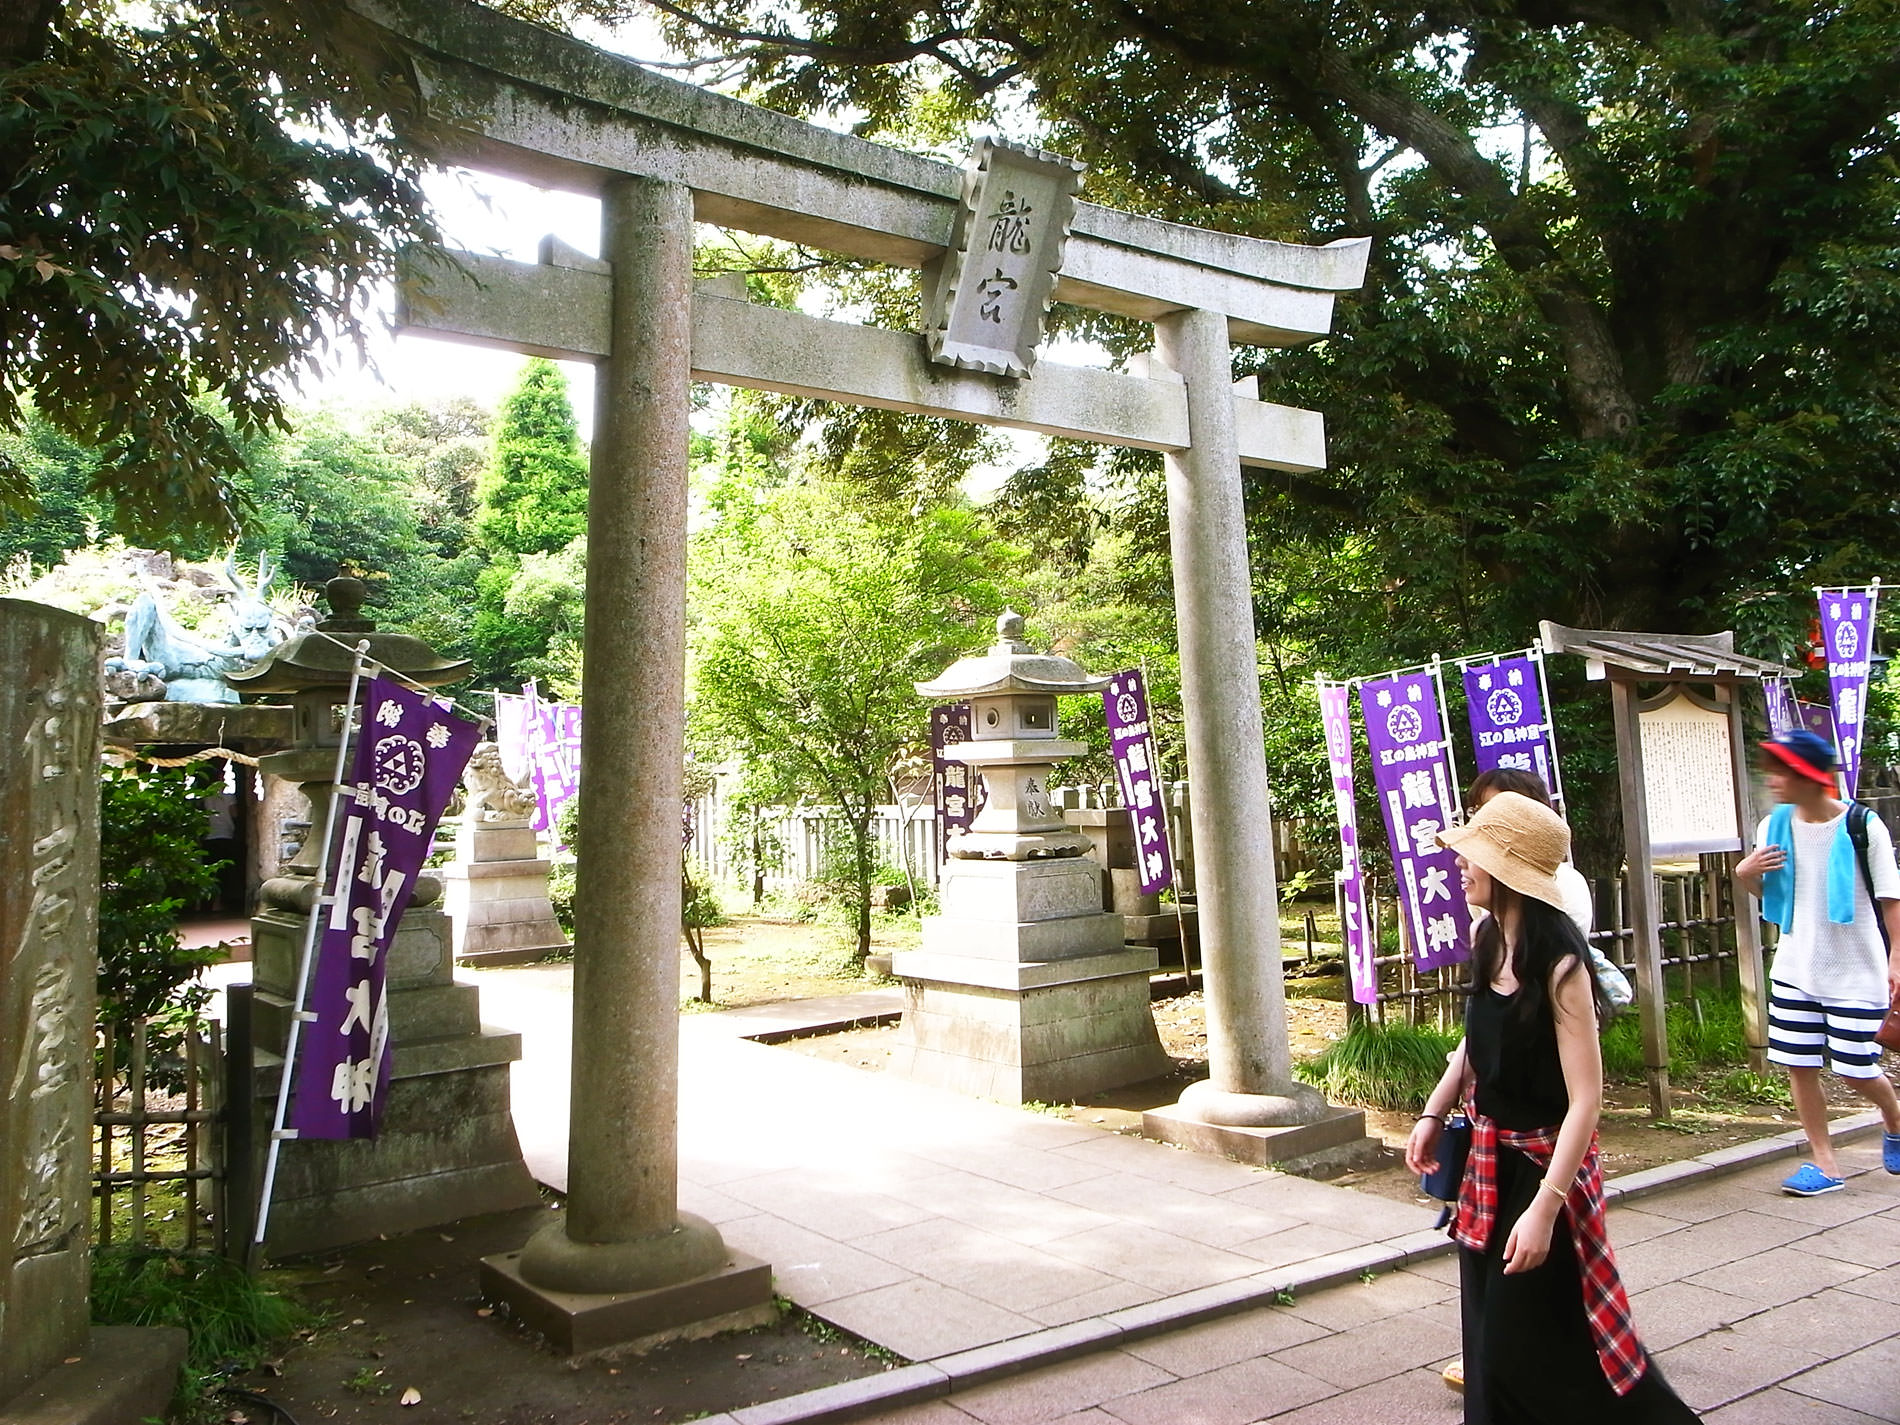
(447, 1148)
(1023, 990)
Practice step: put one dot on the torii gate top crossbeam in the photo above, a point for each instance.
(528, 102)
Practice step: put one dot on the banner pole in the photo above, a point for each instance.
(1550, 725)
(324, 895)
(1451, 752)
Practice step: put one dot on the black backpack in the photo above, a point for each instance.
(1857, 814)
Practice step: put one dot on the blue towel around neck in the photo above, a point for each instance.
(1777, 887)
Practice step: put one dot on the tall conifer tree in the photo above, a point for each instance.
(531, 500)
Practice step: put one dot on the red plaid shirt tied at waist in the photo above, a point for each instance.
(1604, 1301)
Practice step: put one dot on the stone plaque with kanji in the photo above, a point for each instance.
(987, 311)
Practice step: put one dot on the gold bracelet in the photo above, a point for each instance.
(1555, 1192)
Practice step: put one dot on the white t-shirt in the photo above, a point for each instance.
(1825, 961)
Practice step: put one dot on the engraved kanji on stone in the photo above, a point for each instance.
(1009, 224)
(994, 288)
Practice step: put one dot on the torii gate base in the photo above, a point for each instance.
(736, 1297)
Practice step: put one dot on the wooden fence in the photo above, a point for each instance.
(161, 1166)
(1697, 933)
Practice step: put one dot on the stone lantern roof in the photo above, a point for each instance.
(1010, 666)
(309, 662)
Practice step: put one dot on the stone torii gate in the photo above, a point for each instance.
(661, 155)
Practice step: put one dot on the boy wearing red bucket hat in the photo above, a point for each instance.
(1834, 971)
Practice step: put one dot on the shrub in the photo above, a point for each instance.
(230, 1318)
(151, 868)
(1704, 1032)
(1380, 1066)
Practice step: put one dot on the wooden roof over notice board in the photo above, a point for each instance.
(1657, 657)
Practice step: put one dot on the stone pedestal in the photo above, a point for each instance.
(447, 1148)
(1023, 990)
(496, 896)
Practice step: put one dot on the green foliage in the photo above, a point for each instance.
(195, 194)
(63, 515)
(151, 868)
(231, 1320)
(1394, 1065)
(1614, 361)
(1745, 1086)
(1704, 1032)
(530, 523)
(813, 621)
(533, 496)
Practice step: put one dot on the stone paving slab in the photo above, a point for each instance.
(1363, 1353)
(950, 1230)
(932, 1223)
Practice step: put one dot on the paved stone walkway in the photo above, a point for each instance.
(977, 1239)
(930, 1223)
(1762, 1309)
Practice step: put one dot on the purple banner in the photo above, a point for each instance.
(409, 760)
(1335, 711)
(1508, 729)
(1780, 699)
(1847, 637)
(1818, 718)
(1411, 768)
(514, 735)
(959, 787)
(555, 740)
(1131, 739)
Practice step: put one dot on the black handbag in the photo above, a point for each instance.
(1444, 1181)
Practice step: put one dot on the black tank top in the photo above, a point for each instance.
(1520, 1078)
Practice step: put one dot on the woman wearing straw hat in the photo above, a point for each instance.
(1547, 1331)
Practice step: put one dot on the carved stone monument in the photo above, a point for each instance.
(447, 1148)
(497, 888)
(50, 1358)
(1023, 989)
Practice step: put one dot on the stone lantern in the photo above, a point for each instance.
(1023, 989)
(447, 1147)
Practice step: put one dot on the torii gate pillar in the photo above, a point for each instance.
(1251, 1082)
(623, 1262)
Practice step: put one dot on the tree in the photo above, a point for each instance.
(1615, 362)
(531, 500)
(57, 472)
(194, 197)
(811, 623)
(1612, 348)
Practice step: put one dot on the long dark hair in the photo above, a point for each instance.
(1545, 935)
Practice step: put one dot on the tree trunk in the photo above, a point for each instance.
(861, 836)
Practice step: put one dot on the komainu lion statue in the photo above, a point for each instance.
(492, 794)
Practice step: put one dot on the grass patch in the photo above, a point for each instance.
(227, 1315)
(1745, 1086)
(1704, 1033)
(1380, 1066)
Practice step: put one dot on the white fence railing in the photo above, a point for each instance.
(788, 846)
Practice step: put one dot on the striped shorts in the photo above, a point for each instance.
(1805, 1033)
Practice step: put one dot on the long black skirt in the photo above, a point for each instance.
(1529, 1356)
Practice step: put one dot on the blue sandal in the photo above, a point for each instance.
(1890, 1152)
(1809, 1181)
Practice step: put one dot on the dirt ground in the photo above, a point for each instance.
(406, 1314)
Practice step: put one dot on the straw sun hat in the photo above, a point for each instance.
(1518, 841)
